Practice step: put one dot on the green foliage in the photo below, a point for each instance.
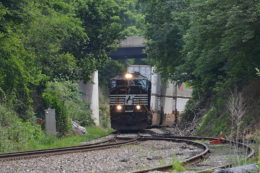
(54, 142)
(53, 29)
(65, 97)
(133, 17)
(104, 113)
(207, 36)
(62, 120)
(217, 44)
(111, 69)
(104, 26)
(191, 109)
(177, 166)
(213, 124)
(14, 78)
(213, 45)
(16, 135)
(42, 42)
(217, 120)
(95, 132)
(46, 40)
(165, 25)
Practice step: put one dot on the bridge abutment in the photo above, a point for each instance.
(90, 94)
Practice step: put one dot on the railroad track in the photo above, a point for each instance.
(199, 157)
(120, 140)
(65, 150)
(193, 159)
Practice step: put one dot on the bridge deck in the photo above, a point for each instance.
(131, 47)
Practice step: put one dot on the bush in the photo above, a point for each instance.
(213, 124)
(16, 135)
(65, 97)
(104, 115)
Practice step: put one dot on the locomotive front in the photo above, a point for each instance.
(130, 102)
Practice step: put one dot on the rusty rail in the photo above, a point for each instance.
(64, 150)
(193, 159)
(250, 150)
(198, 157)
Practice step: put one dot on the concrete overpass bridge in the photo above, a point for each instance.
(131, 47)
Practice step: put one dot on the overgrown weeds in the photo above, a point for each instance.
(65, 98)
(177, 166)
(54, 142)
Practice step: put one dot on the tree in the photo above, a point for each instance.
(111, 69)
(103, 25)
(14, 77)
(212, 45)
(43, 41)
(165, 28)
(214, 41)
(133, 17)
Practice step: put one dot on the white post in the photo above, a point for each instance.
(50, 121)
(95, 98)
(90, 94)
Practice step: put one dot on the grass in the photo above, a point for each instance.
(254, 160)
(247, 162)
(54, 142)
(177, 166)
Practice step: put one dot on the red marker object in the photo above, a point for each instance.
(217, 141)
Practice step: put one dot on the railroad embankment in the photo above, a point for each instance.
(17, 135)
(234, 115)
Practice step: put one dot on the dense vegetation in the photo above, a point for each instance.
(46, 47)
(212, 45)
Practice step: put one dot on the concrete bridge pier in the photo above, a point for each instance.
(90, 94)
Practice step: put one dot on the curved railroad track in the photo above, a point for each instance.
(194, 159)
(65, 150)
(120, 140)
(250, 152)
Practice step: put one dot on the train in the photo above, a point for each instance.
(139, 99)
(130, 102)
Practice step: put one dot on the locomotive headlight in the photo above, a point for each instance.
(128, 76)
(119, 107)
(138, 107)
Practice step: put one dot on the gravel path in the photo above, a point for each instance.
(123, 159)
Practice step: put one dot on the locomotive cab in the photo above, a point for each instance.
(130, 102)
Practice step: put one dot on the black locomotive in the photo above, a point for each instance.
(130, 102)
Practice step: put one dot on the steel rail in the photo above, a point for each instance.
(249, 150)
(64, 150)
(190, 160)
(200, 156)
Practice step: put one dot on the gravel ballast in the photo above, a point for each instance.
(127, 158)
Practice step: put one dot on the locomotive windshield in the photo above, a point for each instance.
(129, 86)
